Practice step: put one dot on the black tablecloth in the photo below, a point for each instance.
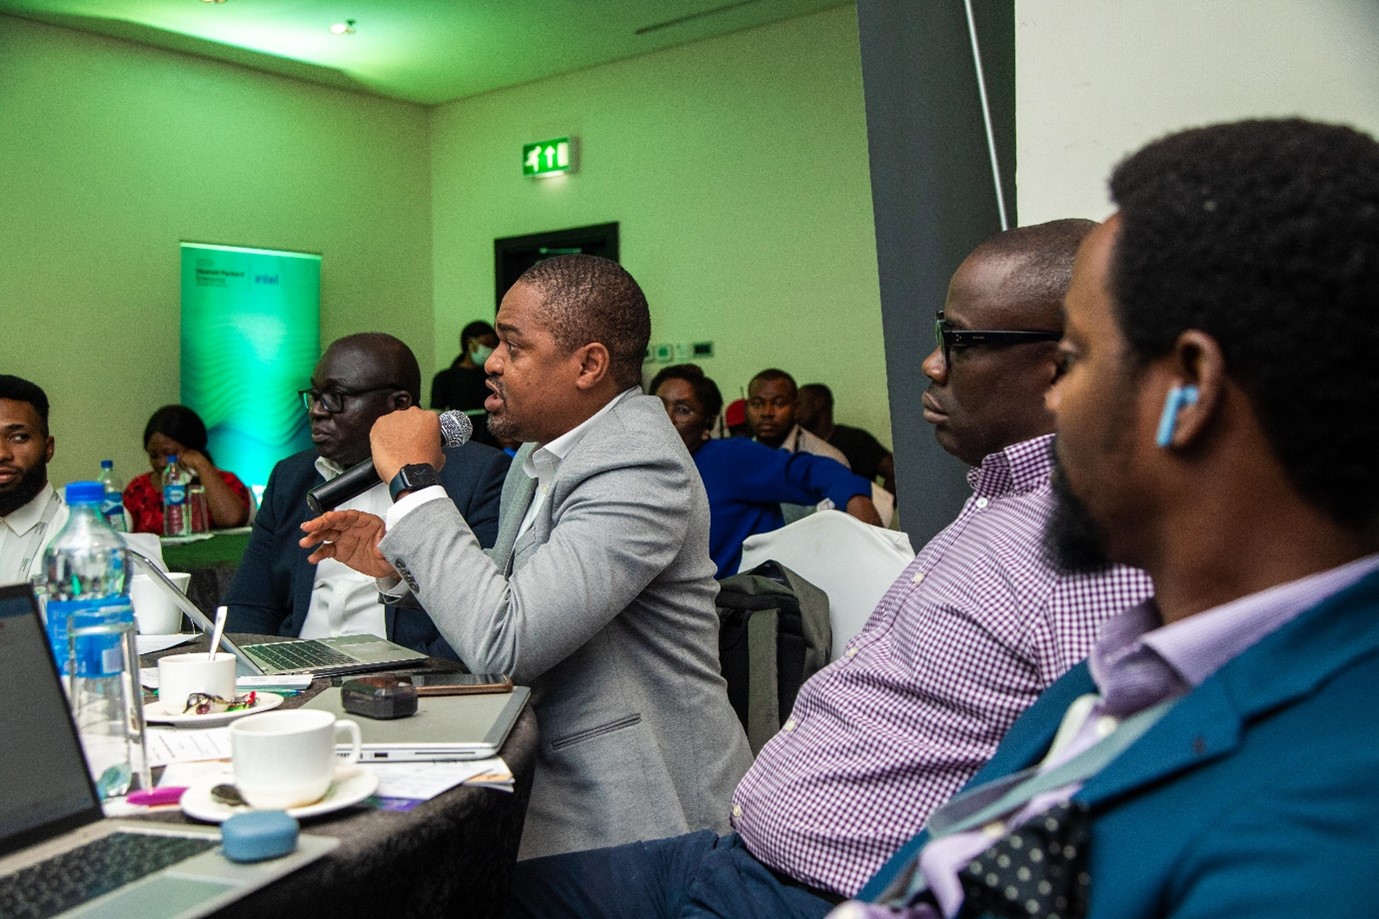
(450, 856)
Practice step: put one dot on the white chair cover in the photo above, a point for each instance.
(845, 558)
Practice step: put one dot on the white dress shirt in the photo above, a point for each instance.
(343, 601)
(26, 532)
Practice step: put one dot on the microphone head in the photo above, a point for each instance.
(456, 428)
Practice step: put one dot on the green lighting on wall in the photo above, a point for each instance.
(251, 321)
(548, 157)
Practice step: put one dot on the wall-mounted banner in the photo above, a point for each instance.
(251, 334)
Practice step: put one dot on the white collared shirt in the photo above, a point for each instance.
(343, 601)
(26, 532)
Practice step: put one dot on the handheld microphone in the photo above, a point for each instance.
(456, 429)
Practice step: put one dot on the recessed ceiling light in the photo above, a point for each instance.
(340, 28)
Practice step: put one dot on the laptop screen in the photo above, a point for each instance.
(43, 774)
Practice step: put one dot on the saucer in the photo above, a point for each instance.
(352, 784)
(155, 714)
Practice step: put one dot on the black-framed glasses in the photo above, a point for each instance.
(333, 400)
(949, 338)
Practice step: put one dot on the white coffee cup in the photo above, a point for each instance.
(154, 610)
(287, 758)
(180, 675)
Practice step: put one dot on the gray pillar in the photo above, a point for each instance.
(934, 197)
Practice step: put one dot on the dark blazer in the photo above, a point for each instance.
(1255, 795)
(271, 591)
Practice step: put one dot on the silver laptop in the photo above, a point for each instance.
(313, 656)
(444, 727)
(53, 834)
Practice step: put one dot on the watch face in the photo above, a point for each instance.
(412, 477)
(419, 475)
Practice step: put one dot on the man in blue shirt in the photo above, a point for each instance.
(747, 481)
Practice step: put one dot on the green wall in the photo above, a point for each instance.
(112, 153)
(737, 168)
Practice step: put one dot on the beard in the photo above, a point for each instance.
(1073, 542)
(502, 427)
(24, 489)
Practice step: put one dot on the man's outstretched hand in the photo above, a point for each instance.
(349, 537)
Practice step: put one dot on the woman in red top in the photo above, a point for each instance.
(179, 431)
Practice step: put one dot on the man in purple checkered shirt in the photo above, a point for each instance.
(969, 635)
(1217, 424)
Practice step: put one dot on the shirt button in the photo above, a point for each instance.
(737, 811)
(852, 652)
(918, 578)
(789, 725)
(982, 502)
(994, 830)
(1105, 725)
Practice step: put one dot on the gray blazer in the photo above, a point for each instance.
(605, 607)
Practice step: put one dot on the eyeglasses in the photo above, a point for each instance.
(333, 400)
(949, 338)
(681, 410)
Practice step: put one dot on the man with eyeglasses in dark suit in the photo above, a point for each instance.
(276, 591)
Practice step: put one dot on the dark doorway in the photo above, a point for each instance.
(515, 254)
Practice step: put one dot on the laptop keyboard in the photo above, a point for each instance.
(84, 873)
(301, 655)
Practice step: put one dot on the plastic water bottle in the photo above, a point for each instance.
(177, 518)
(112, 508)
(91, 632)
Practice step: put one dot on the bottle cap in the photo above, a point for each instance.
(107, 464)
(85, 492)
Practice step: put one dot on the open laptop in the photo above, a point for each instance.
(59, 856)
(313, 656)
(444, 727)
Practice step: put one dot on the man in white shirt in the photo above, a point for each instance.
(772, 402)
(276, 590)
(31, 511)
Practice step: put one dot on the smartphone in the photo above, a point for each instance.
(455, 684)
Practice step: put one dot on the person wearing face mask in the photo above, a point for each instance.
(461, 385)
(745, 480)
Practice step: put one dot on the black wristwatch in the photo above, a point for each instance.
(411, 477)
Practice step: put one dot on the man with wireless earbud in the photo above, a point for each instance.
(1217, 426)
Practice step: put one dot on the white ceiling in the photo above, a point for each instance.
(424, 51)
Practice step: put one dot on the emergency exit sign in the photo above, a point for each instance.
(548, 157)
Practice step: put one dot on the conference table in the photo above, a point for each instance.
(452, 855)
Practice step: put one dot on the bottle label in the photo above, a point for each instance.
(174, 494)
(98, 622)
(112, 509)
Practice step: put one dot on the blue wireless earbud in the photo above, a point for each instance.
(1178, 398)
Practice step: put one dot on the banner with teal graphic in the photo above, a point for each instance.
(251, 331)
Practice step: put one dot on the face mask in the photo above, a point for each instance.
(480, 354)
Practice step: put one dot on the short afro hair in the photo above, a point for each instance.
(18, 389)
(476, 329)
(592, 299)
(774, 374)
(180, 424)
(1264, 234)
(705, 389)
